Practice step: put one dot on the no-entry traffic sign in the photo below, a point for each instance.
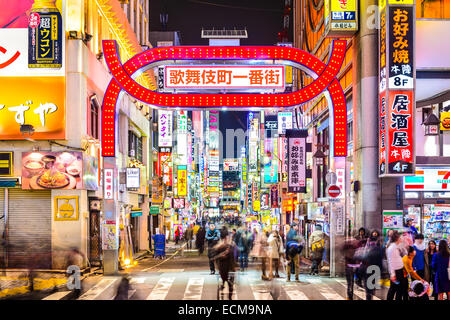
(334, 191)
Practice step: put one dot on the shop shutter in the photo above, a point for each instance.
(29, 229)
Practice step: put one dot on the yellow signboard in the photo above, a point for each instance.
(66, 208)
(256, 205)
(343, 5)
(445, 120)
(341, 18)
(381, 4)
(34, 101)
(288, 74)
(182, 181)
(401, 1)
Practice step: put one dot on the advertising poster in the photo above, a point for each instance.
(274, 196)
(392, 219)
(133, 178)
(182, 181)
(165, 163)
(90, 173)
(52, 170)
(110, 241)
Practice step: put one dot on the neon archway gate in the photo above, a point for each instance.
(326, 80)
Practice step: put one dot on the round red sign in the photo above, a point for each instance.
(334, 191)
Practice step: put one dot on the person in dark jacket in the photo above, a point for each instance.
(292, 235)
(200, 240)
(293, 250)
(223, 256)
(124, 287)
(213, 237)
(348, 249)
(244, 245)
(430, 275)
(440, 265)
(373, 257)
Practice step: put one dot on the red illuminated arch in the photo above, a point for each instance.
(122, 80)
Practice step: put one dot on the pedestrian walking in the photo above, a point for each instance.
(440, 265)
(399, 283)
(362, 236)
(213, 237)
(317, 245)
(275, 253)
(223, 257)
(292, 235)
(408, 264)
(429, 272)
(244, 245)
(419, 259)
(188, 236)
(351, 264)
(373, 257)
(293, 251)
(177, 235)
(259, 251)
(75, 258)
(200, 240)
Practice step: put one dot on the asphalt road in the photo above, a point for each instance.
(188, 278)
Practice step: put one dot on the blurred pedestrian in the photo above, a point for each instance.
(292, 235)
(213, 237)
(419, 259)
(399, 282)
(387, 239)
(440, 265)
(75, 258)
(430, 275)
(244, 244)
(362, 236)
(123, 288)
(373, 257)
(200, 240)
(351, 265)
(223, 257)
(259, 251)
(223, 232)
(375, 234)
(276, 250)
(317, 245)
(188, 236)
(177, 235)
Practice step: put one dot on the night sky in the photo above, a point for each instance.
(263, 19)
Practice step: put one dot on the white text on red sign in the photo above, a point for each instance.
(269, 77)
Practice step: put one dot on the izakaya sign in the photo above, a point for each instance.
(326, 80)
(296, 160)
(238, 77)
(396, 86)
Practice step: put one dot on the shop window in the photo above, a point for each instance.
(349, 131)
(135, 146)
(94, 121)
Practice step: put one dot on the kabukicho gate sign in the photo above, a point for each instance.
(324, 75)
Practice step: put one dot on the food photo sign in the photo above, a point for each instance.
(52, 170)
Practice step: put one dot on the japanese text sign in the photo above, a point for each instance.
(341, 17)
(284, 122)
(401, 46)
(182, 180)
(178, 203)
(296, 160)
(165, 164)
(165, 128)
(213, 77)
(396, 87)
(24, 100)
(109, 178)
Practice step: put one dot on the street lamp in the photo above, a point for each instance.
(431, 125)
(320, 157)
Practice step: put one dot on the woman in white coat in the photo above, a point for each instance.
(274, 253)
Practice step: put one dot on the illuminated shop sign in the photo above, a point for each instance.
(396, 87)
(296, 160)
(428, 179)
(341, 17)
(165, 128)
(212, 77)
(326, 80)
(182, 180)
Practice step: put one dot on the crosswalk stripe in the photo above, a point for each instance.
(57, 295)
(137, 280)
(293, 293)
(161, 289)
(100, 287)
(357, 291)
(325, 290)
(194, 289)
(260, 291)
